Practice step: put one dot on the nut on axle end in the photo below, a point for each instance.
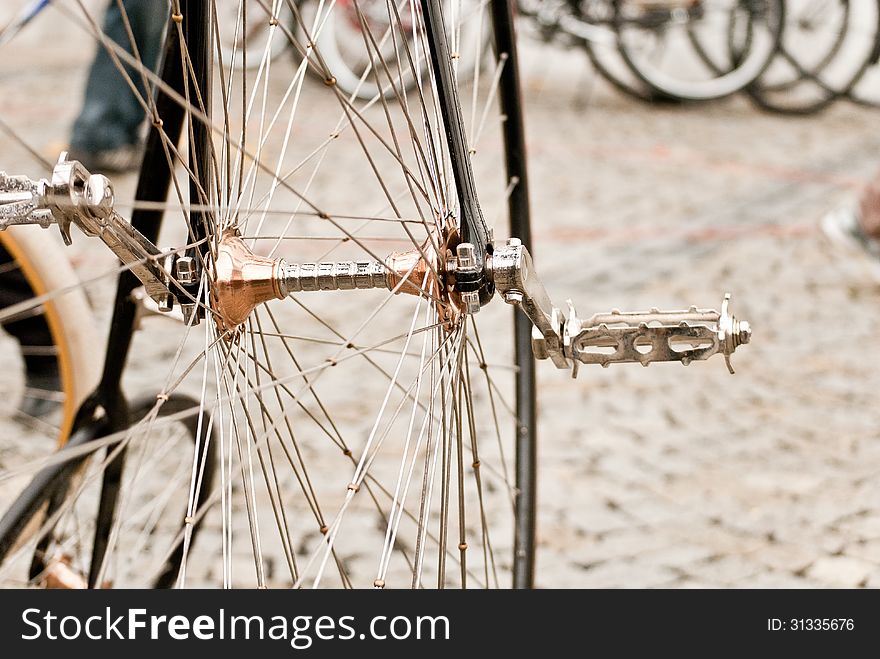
(732, 332)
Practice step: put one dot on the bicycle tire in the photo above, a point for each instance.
(812, 87)
(45, 272)
(722, 84)
(796, 88)
(613, 69)
(802, 71)
(607, 60)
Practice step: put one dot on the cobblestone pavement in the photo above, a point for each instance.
(667, 477)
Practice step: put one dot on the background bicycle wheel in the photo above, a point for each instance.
(827, 46)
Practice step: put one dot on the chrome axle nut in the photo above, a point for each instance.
(185, 270)
(513, 297)
(471, 302)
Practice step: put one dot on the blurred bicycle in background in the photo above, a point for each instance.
(790, 56)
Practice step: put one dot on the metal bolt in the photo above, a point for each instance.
(188, 310)
(471, 301)
(185, 270)
(99, 195)
(466, 263)
(513, 296)
(467, 255)
(166, 304)
(744, 335)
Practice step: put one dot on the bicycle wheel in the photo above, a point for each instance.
(827, 47)
(611, 66)
(48, 344)
(672, 44)
(152, 522)
(604, 56)
(365, 437)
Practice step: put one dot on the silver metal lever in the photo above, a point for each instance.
(517, 282)
(74, 196)
(616, 337)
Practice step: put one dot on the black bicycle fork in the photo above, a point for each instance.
(473, 229)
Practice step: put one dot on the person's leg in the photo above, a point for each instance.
(111, 114)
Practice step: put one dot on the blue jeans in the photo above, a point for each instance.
(111, 115)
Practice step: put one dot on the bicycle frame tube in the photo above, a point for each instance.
(520, 226)
(198, 33)
(153, 185)
(472, 226)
